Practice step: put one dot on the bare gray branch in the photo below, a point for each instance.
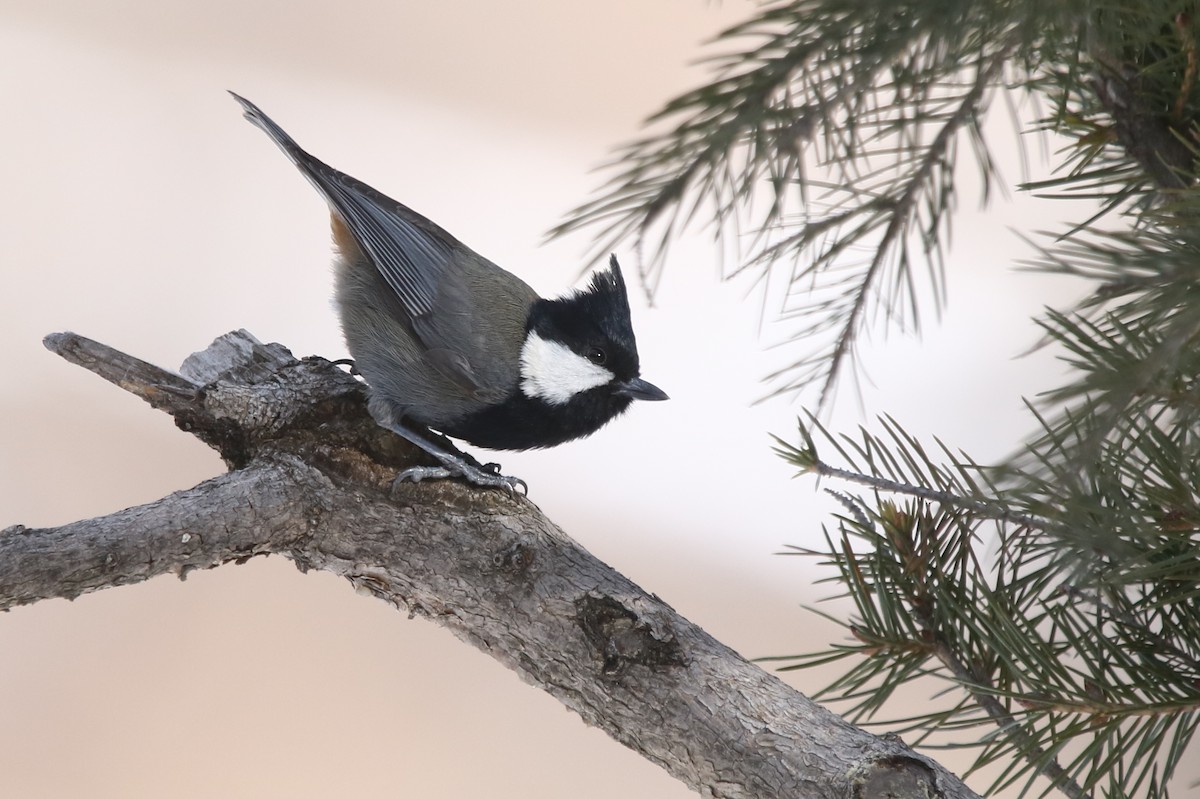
(313, 484)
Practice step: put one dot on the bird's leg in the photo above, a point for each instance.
(455, 463)
(448, 446)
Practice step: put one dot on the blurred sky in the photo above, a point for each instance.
(142, 211)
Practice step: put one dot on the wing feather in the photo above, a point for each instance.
(410, 252)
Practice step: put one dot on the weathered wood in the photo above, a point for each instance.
(312, 481)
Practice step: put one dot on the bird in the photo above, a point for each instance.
(452, 345)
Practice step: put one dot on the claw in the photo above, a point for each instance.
(349, 362)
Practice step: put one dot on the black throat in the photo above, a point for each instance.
(522, 422)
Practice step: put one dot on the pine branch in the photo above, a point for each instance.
(901, 211)
(940, 488)
(977, 506)
(983, 693)
(835, 84)
(1013, 633)
(1143, 130)
(976, 685)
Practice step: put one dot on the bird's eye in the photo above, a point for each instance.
(596, 356)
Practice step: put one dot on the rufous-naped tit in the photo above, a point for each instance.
(448, 341)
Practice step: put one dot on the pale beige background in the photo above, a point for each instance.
(139, 209)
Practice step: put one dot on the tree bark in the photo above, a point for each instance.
(311, 479)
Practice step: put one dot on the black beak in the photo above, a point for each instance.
(637, 388)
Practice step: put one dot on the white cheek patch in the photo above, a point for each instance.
(554, 373)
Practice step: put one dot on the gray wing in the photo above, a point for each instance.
(410, 252)
(429, 271)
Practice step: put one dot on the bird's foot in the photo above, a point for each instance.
(454, 462)
(487, 476)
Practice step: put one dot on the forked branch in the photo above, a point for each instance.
(311, 481)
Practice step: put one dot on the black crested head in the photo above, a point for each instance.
(595, 322)
(578, 369)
